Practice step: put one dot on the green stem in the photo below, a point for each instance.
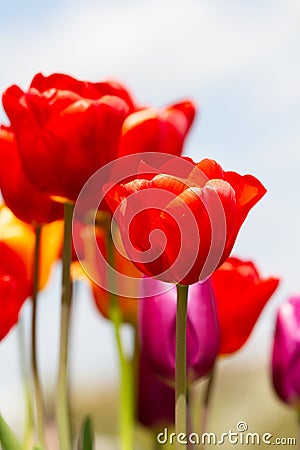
(135, 361)
(207, 398)
(39, 402)
(180, 375)
(126, 404)
(126, 370)
(298, 422)
(29, 426)
(156, 444)
(62, 405)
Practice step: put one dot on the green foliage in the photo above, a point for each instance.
(86, 439)
(8, 439)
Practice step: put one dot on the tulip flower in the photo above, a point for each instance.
(24, 200)
(85, 89)
(286, 352)
(20, 237)
(159, 130)
(155, 399)
(180, 222)
(64, 137)
(241, 294)
(67, 129)
(15, 287)
(157, 320)
(88, 251)
(128, 306)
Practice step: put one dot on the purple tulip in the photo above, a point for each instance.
(286, 352)
(157, 326)
(156, 400)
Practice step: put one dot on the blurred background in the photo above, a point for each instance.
(240, 62)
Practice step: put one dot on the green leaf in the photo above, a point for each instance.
(86, 439)
(8, 439)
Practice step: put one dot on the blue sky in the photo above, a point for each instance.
(238, 60)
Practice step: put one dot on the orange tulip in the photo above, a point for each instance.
(20, 237)
(95, 271)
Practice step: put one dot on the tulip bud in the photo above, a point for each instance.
(286, 352)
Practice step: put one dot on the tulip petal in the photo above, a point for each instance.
(156, 400)
(150, 130)
(85, 89)
(64, 138)
(26, 202)
(241, 295)
(15, 287)
(286, 352)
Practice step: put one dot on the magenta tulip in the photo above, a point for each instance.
(155, 399)
(286, 352)
(157, 320)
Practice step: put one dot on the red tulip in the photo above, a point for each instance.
(241, 294)
(180, 223)
(286, 352)
(25, 201)
(159, 130)
(15, 287)
(85, 89)
(64, 137)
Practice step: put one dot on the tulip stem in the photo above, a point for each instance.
(126, 406)
(207, 398)
(180, 374)
(62, 405)
(298, 421)
(156, 444)
(29, 426)
(126, 370)
(39, 402)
